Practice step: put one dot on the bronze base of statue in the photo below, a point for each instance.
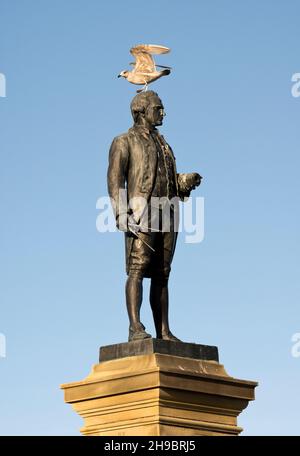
(151, 345)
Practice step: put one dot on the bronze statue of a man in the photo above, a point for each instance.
(142, 167)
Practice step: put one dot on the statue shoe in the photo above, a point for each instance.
(138, 334)
(170, 336)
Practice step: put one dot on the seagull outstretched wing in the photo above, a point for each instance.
(144, 62)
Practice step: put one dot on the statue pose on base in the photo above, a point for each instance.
(142, 167)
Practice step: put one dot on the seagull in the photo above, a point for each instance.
(144, 71)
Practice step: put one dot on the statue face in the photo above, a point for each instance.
(154, 112)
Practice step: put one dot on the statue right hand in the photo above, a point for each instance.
(133, 226)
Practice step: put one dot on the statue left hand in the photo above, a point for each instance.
(196, 180)
(192, 180)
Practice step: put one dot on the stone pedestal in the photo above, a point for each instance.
(159, 388)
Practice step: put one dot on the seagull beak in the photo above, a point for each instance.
(119, 75)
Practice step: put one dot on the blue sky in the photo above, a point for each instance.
(230, 116)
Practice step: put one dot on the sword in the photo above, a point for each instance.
(141, 226)
(144, 242)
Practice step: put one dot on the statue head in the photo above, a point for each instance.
(147, 109)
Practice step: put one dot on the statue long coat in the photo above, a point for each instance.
(132, 172)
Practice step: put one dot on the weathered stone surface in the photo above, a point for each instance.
(159, 395)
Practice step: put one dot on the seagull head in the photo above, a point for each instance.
(123, 74)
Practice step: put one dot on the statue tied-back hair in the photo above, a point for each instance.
(140, 102)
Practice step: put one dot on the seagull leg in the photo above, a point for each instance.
(144, 89)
